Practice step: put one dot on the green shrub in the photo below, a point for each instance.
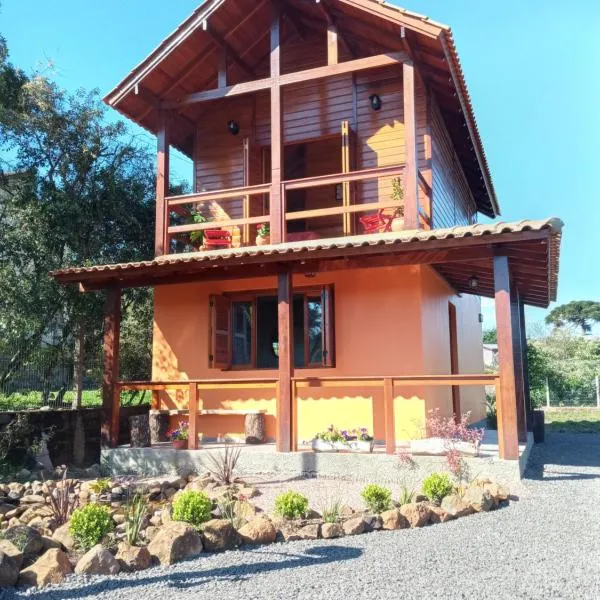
(437, 486)
(192, 507)
(136, 511)
(331, 510)
(378, 499)
(90, 524)
(291, 505)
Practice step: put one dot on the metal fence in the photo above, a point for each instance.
(582, 393)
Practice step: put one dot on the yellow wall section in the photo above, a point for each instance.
(386, 324)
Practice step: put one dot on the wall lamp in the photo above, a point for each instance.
(233, 127)
(376, 102)
(473, 282)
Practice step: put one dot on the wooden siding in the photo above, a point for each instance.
(453, 202)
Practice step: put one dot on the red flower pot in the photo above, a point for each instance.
(180, 444)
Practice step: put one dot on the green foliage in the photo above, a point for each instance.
(406, 496)
(136, 511)
(437, 486)
(490, 336)
(90, 524)
(331, 510)
(291, 505)
(491, 415)
(192, 507)
(228, 509)
(579, 313)
(377, 498)
(331, 434)
(197, 237)
(101, 486)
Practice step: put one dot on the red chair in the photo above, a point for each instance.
(377, 223)
(217, 238)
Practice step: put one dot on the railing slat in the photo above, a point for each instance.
(217, 224)
(226, 194)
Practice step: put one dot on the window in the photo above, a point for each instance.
(244, 330)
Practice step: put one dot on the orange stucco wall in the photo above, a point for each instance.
(388, 321)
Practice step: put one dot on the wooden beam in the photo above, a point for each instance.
(332, 45)
(193, 416)
(294, 19)
(333, 30)
(276, 196)
(506, 403)
(249, 87)
(222, 75)
(161, 244)
(411, 180)
(218, 39)
(284, 440)
(111, 397)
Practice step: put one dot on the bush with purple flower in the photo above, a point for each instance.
(179, 434)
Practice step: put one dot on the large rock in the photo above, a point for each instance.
(393, 519)
(456, 506)
(219, 535)
(133, 558)
(9, 570)
(479, 499)
(439, 515)
(51, 567)
(26, 539)
(175, 542)
(98, 561)
(354, 526)
(416, 513)
(258, 531)
(11, 550)
(332, 530)
(291, 532)
(63, 536)
(497, 492)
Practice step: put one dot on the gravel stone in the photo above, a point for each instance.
(542, 546)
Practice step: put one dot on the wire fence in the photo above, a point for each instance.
(580, 393)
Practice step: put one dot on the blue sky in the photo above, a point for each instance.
(531, 65)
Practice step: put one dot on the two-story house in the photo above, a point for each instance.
(328, 265)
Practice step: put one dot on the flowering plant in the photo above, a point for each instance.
(452, 430)
(360, 433)
(263, 230)
(331, 434)
(179, 434)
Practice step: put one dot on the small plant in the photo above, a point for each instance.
(452, 430)
(407, 496)
(263, 230)
(331, 435)
(136, 511)
(491, 415)
(377, 498)
(63, 500)
(291, 505)
(398, 196)
(90, 524)
(179, 434)
(360, 433)
(192, 507)
(437, 486)
(101, 486)
(331, 511)
(223, 465)
(227, 506)
(197, 237)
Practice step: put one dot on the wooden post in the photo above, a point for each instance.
(277, 199)
(332, 44)
(222, 75)
(110, 375)
(388, 411)
(161, 239)
(193, 417)
(508, 440)
(286, 362)
(411, 181)
(515, 301)
(528, 407)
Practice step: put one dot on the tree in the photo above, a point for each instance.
(490, 336)
(580, 313)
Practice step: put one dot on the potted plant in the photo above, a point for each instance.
(359, 440)
(179, 437)
(263, 234)
(397, 196)
(330, 440)
(197, 237)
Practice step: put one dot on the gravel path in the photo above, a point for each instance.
(546, 545)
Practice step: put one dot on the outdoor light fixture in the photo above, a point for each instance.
(473, 282)
(233, 127)
(375, 100)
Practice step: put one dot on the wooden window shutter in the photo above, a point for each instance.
(220, 332)
(328, 326)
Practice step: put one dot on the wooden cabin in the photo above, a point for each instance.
(328, 265)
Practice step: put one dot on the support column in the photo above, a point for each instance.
(528, 407)
(332, 44)
(506, 404)
(277, 200)
(284, 441)
(411, 181)
(111, 396)
(515, 302)
(388, 411)
(161, 238)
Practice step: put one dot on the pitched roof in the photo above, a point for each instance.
(186, 61)
(534, 258)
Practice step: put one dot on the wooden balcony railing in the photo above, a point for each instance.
(387, 385)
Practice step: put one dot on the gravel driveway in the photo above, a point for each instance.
(546, 545)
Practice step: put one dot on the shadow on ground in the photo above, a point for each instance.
(565, 450)
(196, 578)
